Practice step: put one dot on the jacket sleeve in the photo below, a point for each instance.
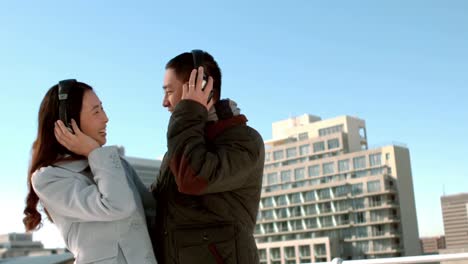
(63, 192)
(202, 167)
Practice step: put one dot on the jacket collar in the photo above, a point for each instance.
(73, 165)
(213, 129)
(223, 109)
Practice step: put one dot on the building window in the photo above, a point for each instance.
(275, 253)
(303, 136)
(295, 211)
(377, 216)
(304, 149)
(272, 178)
(330, 130)
(311, 223)
(342, 205)
(324, 194)
(295, 198)
(360, 218)
(268, 202)
(361, 231)
(309, 196)
(267, 156)
(358, 203)
(328, 168)
(319, 146)
(362, 246)
(343, 219)
(387, 156)
(359, 162)
(375, 201)
(290, 162)
(382, 245)
(378, 230)
(290, 252)
(268, 214)
(333, 143)
(314, 171)
(373, 186)
(301, 184)
(285, 176)
(320, 249)
(282, 226)
(341, 190)
(304, 251)
(282, 213)
(269, 228)
(327, 221)
(281, 200)
(325, 207)
(262, 254)
(310, 209)
(299, 174)
(278, 154)
(291, 152)
(296, 225)
(343, 165)
(374, 159)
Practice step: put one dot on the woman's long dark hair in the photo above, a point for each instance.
(46, 150)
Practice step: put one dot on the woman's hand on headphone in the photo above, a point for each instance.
(78, 143)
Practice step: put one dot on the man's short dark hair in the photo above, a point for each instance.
(183, 64)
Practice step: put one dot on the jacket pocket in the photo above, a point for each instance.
(207, 244)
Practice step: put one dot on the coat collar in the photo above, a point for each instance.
(213, 129)
(73, 165)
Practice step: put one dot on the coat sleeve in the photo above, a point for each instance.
(63, 192)
(202, 167)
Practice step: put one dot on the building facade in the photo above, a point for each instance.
(14, 245)
(297, 251)
(432, 245)
(321, 180)
(147, 169)
(455, 216)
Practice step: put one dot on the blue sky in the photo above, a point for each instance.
(400, 65)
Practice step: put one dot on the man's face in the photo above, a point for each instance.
(172, 90)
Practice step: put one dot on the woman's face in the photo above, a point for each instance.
(93, 119)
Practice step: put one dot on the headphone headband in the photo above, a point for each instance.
(197, 58)
(64, 87)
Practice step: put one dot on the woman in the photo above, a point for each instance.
(91, 194)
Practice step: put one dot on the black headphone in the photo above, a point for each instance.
(198, 59)
(64, 87)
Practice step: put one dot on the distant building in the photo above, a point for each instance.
(21, 244)
(455, 216)
(322, 181)
(64, 258)
(298, 251)
(147, 169)
(432, 245)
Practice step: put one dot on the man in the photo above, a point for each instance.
(209, 186)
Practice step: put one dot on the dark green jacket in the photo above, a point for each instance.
(208, 190)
